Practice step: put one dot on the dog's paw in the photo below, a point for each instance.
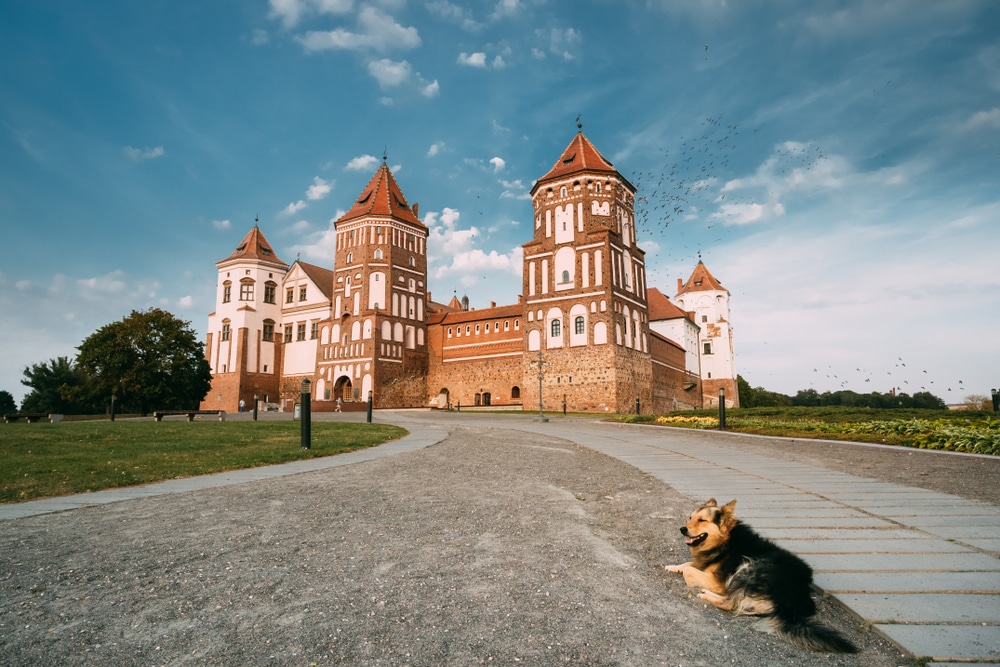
(676, 568)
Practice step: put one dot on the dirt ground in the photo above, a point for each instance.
(491, 547)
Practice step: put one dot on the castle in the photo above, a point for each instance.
(586, 330)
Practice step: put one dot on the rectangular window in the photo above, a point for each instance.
(314, 331)
(288, 333)
(225, 332)
(290, 295)
(302, 293)
(227, 293)
(300, 334)
(268, 334)
(269, 291)
(707, 348)
(246, 292)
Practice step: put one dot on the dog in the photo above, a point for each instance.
(742, 572)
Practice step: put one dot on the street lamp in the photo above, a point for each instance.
(255, 407)
(722, 408)
(113, 403)
(305, 414)
(996, 400)
(369, 406)
(540, 364)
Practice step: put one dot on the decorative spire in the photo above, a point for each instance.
(385, 154)
(579, 125)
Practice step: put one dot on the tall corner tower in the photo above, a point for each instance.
(705, 296)
(584, 287)
(242, 348)
(377, 338)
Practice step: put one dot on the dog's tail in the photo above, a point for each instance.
(808, 634)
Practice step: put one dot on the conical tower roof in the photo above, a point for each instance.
(579, 156)
(382, 197)
(254, 247)
(701, 280)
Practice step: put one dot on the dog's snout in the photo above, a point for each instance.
(684, 530)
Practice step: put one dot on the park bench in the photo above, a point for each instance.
(32, 417)
(158, 415)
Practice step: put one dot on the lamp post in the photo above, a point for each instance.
(305, 414)
(540, 364)
(722, 408)
(996, 400)
(369, 406)
(113, 403)
(255, 407)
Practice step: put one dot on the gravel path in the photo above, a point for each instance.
(491, 547)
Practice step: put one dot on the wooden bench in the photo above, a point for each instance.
(32, 417)
(158, 415)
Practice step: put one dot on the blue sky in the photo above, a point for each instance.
(835, 163)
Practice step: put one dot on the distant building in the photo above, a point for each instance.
(604, 340)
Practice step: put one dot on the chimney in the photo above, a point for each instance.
(416, 207)
(429, 299)
(493, 304)
(680, 284)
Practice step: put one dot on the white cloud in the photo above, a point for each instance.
(435, 148)
(185, 302)
(472, 59)
(498, 164)
(137, 154)
(294, 207)
(452, 251)
(376, 31)
(290, 12)
(498, 62)
(362, 163)
(389, 73)
(318, 189)
(431, 89)
(454, 14)
(506, 8)
(562, 42)
(989, 119)
(108, 283)
(299, 227)
(221, 224)
(259, 37)
(514, 190)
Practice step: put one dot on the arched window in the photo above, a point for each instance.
(378, 253)
(578, 323)
(556, 328)
(268, 333)
(227, 292)
(565, 276)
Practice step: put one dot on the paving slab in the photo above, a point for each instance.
(925, 545)
(946, 642)
(857, 562)
(908, 582)
(924, 607)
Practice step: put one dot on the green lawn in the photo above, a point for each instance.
(40, 460)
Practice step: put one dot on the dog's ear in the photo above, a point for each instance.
(727, 518)
(710, 503)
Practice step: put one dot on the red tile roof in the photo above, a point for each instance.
(382, 197)
(322, 277)
(701, 280)
(579, 156)
(254, 246)
(662, 308)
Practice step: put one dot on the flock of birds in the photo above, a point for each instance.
(897, 379)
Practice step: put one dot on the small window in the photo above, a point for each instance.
(412, 261)
(300, 333)
(704, 318)
(314, 331)
(477, 329)
(350, 257)
(225, 331)
(556, 328)
(378, 253)
(302, 293)
(246, 291)
(288, 333)
(227, 292)
(487, 327)
(449, 332)
(290, 295)
(517, 324)
(468, 329)
(565, 276)
(707, 348)
(269, 292)
(578, 324)
(268, 333)
(506, 325)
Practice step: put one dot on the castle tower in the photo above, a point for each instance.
(705, 296)
(244, 346)
(376, 339)
(584, 285)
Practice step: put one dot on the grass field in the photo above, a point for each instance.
(41, 460)
(970, 432)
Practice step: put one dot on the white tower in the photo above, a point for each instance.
(705, 296)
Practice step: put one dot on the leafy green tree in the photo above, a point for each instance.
(7, 402)
(806, 397)
(747, 394)
(55, 387)
(150, 359)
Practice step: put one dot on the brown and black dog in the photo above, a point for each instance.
(742, 572)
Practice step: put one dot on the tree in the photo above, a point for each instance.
(978, 402)
(7, 403)
(55, 387)
(150, 359)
